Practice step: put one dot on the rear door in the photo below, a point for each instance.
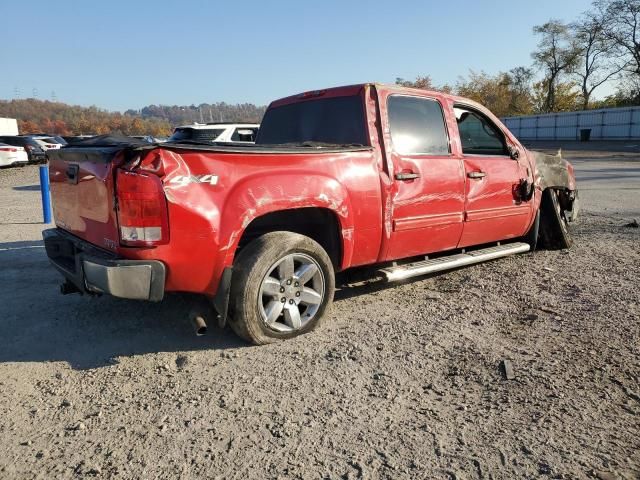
(493, 210)
(427, 191)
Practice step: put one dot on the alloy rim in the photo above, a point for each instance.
(291, 293)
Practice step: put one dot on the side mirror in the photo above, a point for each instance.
(514, 152)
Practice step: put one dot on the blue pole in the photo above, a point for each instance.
(44, 192)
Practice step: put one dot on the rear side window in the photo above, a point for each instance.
(417, 126)
(244, 134)
(334, 121)
(204, 135)
(478, 135)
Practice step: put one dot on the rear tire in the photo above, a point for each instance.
(281, 287)
(554, 227)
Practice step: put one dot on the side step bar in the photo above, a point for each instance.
(424, 267)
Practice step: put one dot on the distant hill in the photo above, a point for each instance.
(205, 112)
(35, 116)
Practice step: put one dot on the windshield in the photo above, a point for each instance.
(196, 134)
(334, 121)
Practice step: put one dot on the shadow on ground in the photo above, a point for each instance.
(27, 188)
(38, 324)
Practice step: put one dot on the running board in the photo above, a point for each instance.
(424, 267)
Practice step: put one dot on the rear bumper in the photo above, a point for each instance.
(95, 271)
(12, 161)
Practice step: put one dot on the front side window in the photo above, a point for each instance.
(417, 126)
(479, 136)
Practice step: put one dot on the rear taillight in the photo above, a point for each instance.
(142, 209)
(8, 149)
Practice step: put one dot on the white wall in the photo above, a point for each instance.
(606, 123)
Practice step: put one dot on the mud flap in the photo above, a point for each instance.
(221, 299)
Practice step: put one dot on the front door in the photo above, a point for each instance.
(427, 198)
(494, 210)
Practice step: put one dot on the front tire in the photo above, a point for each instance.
(554, 226)
(282, 285)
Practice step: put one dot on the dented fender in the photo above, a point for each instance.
(553, 172)
(258, 195)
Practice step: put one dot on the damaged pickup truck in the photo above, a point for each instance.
(413, 181)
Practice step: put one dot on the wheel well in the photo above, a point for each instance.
(320, 224)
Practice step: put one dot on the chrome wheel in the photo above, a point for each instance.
(291, 293)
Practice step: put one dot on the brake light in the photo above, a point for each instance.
(142, 209)
(8, 149)
(314, 93)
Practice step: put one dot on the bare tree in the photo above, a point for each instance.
(623, 28)
(599, 58)
(557, 54)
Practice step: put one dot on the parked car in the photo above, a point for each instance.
(216, 132)
(360, 175)
(48, 142)
(34, 150)
(51, 138)
(149, 138)
(12, 155)
(75, 138)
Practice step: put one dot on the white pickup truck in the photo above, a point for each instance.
(221, 132)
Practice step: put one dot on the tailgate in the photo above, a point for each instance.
(82, 192)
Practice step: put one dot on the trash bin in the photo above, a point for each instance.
(585, 134)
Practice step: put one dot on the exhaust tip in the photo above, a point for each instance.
(199, 325)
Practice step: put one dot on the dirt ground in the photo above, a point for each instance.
(401, 382)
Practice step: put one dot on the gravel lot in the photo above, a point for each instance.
(402, 382)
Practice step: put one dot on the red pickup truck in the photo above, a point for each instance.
(412, 180)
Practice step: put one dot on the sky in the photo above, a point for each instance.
(127, 54)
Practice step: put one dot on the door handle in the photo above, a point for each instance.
(406, 176)
(476, 175)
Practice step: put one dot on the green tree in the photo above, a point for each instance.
(506, 93)
(567, 97)
(423, 83)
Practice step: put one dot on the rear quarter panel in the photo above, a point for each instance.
(207, 220)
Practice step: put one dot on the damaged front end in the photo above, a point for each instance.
(553, 171)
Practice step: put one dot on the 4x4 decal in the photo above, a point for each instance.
(184, 180)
